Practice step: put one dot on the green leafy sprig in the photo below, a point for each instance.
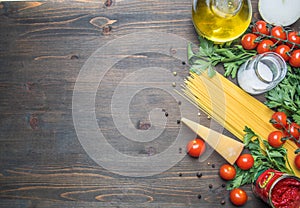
(285, 97)
(265, 156)
(208, 55)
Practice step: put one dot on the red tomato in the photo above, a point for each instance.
(293, 37)
(227, 172)
(297, 161)
(265, 46)
(279, 120)
(261, 27)
(248, 41)
(238, 196)
(295, 58)
(294, 130)
(245, 161)
(278, 33)
(196, 147)
(275, 139)
(283, 51)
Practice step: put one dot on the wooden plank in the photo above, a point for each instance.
(43, 46)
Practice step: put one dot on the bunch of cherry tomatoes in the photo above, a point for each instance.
(267, 38)
(287, 130)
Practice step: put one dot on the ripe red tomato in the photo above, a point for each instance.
(245, 161)
(294, 130)
(261, 27)
(248, 41)
(295, 58)
(227, 172)
(278, 33)
(265, 46)
(279, 120)
(283, 51)
(275, 139)
(293, 37)
(297, 161)
(196, 147)
(238, 196)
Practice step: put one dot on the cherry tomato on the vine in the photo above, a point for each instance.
(261, 27)
(293, 37)
(294, 130)
(195, 147)
(227, 172)
(238, 196)
(279, 120)
(248, 41)
(297, 161)
(295, 58)
(275, 139)
(265, 46)
(245, 161)
(283, 51)
(278, 33)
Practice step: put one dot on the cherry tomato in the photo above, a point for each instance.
(293, 37)
(279, 120)
(275, 139)
(294, 130)
(261, 27)
(245, 161)
(295, 58)
(227, 172)
(248, 41)
(278, 33)
(196, 147)
(283, 50)
(297, 161)
(238, 196)
(265, 46)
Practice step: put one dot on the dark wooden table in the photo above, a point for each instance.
(65, 67)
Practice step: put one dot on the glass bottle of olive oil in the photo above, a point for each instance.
(221, 20)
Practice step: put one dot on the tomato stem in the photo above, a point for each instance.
(278, 39)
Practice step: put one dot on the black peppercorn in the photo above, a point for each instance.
(199, 175)
(180, 150)
(223, 202)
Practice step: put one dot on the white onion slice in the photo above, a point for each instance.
(279, 12)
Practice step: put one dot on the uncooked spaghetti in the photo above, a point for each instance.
(232, 107)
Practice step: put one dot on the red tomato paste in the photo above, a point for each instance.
(286, 193)
(278, 189)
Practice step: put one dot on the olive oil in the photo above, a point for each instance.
(221, 20)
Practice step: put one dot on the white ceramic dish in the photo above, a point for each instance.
(279, 12)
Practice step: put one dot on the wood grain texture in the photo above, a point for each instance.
(43, 46)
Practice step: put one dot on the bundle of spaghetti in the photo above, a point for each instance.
(232, 107)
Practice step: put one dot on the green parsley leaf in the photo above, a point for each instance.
(230, 55)
(285, 97)
(265, 156)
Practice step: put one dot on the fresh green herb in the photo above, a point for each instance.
(231, 55)
(265, 156)
(286, 96)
